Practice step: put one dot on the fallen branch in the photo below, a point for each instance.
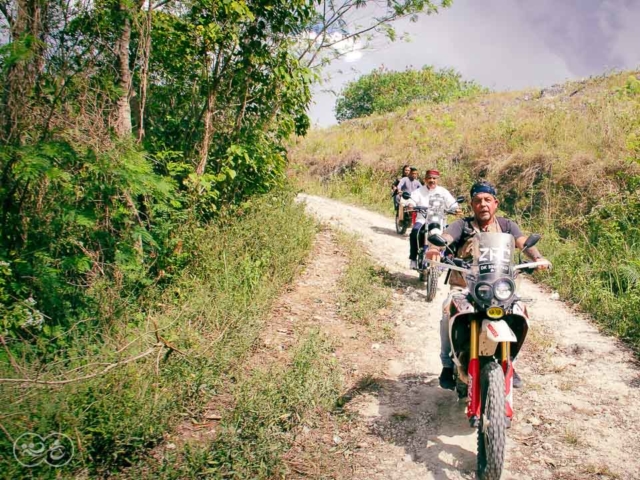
(111, 366)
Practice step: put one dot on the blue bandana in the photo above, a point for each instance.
(483, 188)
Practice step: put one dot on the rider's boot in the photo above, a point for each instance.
(446, 379)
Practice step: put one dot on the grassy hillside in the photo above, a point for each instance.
(566, 161)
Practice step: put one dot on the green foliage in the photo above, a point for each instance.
(385, 91)
(83, 221)
(212, 314)
(87, 214)
(245, 154)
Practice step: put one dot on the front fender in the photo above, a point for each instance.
(494, 332)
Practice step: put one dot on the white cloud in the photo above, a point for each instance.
(505, 44)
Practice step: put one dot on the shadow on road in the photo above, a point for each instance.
(402, 280)
(428, 422)
(391, 232)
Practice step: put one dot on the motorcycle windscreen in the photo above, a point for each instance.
(492, 255)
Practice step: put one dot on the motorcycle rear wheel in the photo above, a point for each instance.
(492, 428)
(431, 278)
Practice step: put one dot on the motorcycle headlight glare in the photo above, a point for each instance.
(484, 292)
(503, 289)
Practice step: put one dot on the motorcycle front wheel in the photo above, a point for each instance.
(492, 428)
(401, 225)
(431, 277)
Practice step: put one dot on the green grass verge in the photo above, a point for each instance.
(362, 293)
(270, 405)
(211, 315)
(359, 186)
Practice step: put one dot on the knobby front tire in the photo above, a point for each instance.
(492, 429)
(432, 283)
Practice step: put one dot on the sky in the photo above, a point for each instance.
(502, 44)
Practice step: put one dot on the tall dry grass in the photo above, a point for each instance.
(566, 161)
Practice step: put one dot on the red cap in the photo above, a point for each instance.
(432, 173)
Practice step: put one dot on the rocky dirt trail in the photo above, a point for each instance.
(576, 416)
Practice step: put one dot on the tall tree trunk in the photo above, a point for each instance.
(123, 108)
(22, 75)
(212, 89)
(16, 115)
(145, 36)
(208, 132)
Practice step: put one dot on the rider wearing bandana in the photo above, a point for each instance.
(484, 203)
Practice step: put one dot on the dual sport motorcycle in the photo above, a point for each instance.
(488, 323)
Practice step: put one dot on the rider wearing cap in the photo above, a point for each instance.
(459, 234)
(420, 198)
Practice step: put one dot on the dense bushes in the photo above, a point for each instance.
(196, 331)
(385, 91)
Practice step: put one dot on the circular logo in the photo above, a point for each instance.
(30, 449)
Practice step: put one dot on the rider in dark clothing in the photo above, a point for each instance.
(484, 202)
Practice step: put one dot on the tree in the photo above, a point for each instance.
(338, 23)
(384, 91)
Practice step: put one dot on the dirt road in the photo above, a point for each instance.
(577, 416)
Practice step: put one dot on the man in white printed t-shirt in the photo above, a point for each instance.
(420, 198)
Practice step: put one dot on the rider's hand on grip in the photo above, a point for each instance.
(433, 254)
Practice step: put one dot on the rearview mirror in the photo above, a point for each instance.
(531, 240)
(406, 195)
(461, 199)
(437, 240)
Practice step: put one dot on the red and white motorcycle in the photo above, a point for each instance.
(488, 324)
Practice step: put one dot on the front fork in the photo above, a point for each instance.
(473, 392)
(507, 368)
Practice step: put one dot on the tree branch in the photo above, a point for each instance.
(5, 11)
(111, 366)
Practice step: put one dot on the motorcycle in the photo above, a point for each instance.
(488, 315)
(405, 216)
(435, 221)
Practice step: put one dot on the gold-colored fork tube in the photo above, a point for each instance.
(506, 351)
(473, 351)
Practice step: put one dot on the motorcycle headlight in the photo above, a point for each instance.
(503, 289)
(484, 292)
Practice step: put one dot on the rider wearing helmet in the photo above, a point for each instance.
(484, 202)
(420, 198)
